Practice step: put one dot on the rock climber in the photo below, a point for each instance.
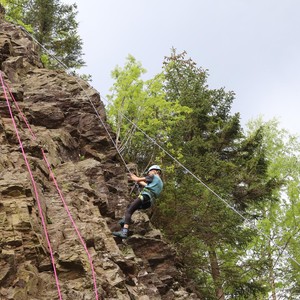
(152, 187)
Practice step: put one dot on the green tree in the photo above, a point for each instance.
(14, 12)
(135, 103)
(193, 123)
(214, 149)
(54, 25)
(281, 218)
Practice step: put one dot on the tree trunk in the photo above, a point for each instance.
(216, 275)
(271, 273)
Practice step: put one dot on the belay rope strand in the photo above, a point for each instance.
(247, 222)
(57, 188)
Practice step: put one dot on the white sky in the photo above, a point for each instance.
(251, 47)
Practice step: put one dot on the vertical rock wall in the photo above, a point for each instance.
(92, 181)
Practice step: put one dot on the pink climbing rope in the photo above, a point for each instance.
(62, 198)
(35, 190)
(73, 223)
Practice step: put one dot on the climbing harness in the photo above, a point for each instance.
(152, 195)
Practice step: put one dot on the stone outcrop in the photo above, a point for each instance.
(92, 180)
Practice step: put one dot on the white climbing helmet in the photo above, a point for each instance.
(154, 167)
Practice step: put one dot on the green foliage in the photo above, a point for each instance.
(138, 103)
(214, 148)
(281, 218)
(45, 60)
(54, 25)
(14, 12)
(86, 77)
(193, 123)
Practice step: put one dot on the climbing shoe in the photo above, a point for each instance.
(123, 234)
(122, 222)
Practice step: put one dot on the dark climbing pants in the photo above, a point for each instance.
(138, 203)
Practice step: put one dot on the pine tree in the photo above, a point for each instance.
(214, 149)
(54, 25)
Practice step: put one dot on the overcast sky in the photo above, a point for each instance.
(251, 47)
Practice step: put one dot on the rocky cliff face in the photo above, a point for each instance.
(92, 181)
